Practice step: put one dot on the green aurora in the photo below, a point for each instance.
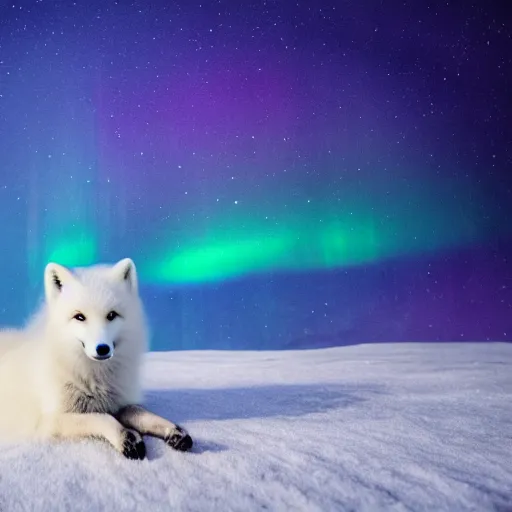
(309, 235)
(262, 233)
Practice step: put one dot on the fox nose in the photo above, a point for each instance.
(102, 350)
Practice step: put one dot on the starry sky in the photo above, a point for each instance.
(284, 174)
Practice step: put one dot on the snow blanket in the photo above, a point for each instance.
(361, 428)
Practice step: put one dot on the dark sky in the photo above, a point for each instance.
(219, 141)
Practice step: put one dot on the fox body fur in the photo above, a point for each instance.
(74, 370)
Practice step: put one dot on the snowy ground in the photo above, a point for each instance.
(369, 427)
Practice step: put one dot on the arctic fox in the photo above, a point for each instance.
(74, 371)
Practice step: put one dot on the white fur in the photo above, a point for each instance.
(46, 373)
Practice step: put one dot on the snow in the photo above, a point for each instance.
(368, 427)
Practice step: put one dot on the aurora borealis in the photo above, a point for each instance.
(308, 235)
(259, 160)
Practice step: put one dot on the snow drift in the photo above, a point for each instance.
(369, 427)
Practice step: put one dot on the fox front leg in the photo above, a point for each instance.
(97, 425)
(145, 422)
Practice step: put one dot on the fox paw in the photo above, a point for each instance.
(133, 445)
(179, 440)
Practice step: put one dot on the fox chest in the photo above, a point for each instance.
(83, 399)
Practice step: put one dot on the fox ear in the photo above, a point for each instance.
(126, 272)
(55, 278)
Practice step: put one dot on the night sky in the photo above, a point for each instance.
(284, 174)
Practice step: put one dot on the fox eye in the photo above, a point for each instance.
(112, 315)
(80, 317)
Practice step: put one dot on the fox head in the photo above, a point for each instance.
(95, 309)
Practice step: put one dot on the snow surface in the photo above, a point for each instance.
(369, 427)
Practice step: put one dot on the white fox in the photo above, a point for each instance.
(74, 371)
